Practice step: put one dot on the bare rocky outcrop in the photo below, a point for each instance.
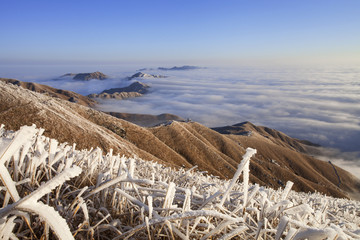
(180, 144)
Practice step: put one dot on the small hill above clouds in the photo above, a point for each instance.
(145, 75)
(175, 68)
(136, 89)
(181, 144)
(86, 76)
(185, 67)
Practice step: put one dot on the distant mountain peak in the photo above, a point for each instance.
(86, 76)
(145, 75)
(89, 76)
(185, 67)
(137, 86)
(136, 89)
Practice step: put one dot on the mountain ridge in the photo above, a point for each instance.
(86, 76)
(54, 92)
(182, 68)
(137, 86)
(145, 75)
(136, 89)
(146, 120)
(179, 144)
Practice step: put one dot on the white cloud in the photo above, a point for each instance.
(314, 104)
(317, 104)
(349, 161)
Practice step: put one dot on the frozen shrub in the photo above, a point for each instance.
(50, 190)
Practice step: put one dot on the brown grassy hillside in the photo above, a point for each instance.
(182, 144)
(146, 120)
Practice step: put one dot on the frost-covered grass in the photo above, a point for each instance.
(51, 189)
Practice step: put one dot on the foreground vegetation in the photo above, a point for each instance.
(52, 190)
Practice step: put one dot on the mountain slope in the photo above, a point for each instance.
(58, 93)
(68, 122)
(285, 158)
(247, 128)
(182, 144)
(146, 120)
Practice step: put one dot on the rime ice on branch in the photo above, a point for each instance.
(85, 194)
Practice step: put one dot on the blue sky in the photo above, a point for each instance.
(179, 31)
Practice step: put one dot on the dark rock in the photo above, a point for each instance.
(73, 99)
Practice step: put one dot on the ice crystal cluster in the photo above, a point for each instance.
(51, 190)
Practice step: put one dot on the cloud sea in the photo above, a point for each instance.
(320, 104)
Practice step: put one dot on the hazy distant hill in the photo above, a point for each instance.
(175, 68)
(145, 75)
(136, 89)
(182, 144)
(186, 67)
(86, 76)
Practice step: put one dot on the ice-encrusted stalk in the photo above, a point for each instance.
(107, 184)
(43, 189)
(246, 173)
(186, 215)
(313, 233)
(170, 194)
(187, 201)
(246, 158)
(9, 183)
(52, 150)
(25, 134)
(281, 227)
(234, 233)
(150, 204)
(56, 222)
(132, 199)
(287, 189)
(218, 229)
(7, 227)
